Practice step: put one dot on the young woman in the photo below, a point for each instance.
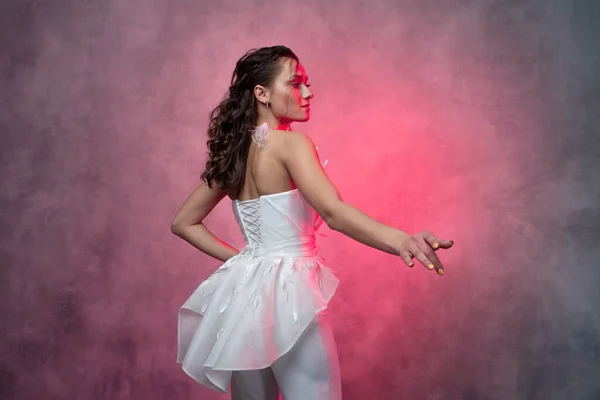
(259, 322)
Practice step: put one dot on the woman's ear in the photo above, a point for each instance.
(261, 94)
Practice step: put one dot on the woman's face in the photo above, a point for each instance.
(289, 95)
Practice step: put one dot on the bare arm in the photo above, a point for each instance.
(300, 157)
(187, 223)
(302, 162)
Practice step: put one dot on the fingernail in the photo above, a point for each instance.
(430, 267)
(452, 241)
(411, 264)
(436, 245)
(440, 272)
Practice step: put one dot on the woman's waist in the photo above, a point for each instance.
(303, 247)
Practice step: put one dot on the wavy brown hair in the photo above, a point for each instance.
(232, 121)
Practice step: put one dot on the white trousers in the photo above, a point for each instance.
(310, 370)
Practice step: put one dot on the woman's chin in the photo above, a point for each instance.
(300, 117)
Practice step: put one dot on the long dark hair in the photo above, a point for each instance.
(232, 121)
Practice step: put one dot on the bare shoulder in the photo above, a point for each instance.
(289, 143)
(298, 138)
(299, 156)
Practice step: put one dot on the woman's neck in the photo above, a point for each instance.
(276, 125)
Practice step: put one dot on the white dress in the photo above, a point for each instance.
(253, 309)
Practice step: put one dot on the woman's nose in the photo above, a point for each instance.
(306, 94)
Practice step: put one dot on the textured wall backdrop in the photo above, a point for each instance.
(475, 119)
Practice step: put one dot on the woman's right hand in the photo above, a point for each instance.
(423, 246)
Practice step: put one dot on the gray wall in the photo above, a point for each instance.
(477, 120)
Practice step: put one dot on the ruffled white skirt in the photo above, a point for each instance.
(250, 312)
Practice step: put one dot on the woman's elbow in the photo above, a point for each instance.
(177, 227)
(330, 215)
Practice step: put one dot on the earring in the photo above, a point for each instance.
(261, 132)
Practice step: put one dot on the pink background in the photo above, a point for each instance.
(473, 119)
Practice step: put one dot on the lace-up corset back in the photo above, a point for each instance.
(279, 221)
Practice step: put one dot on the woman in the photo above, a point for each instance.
(259, 323)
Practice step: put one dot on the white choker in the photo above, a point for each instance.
(260, 134)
